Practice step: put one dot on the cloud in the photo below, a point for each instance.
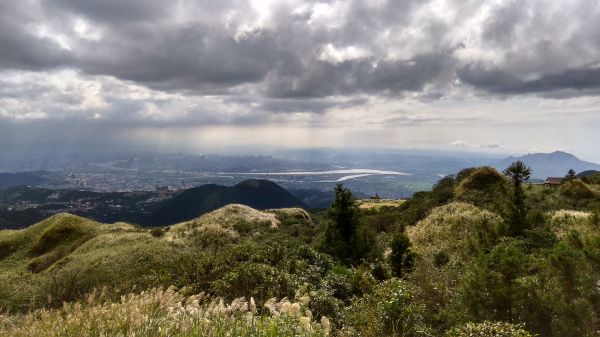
(460, 143)
(312, 49)
(327, 64)
(466, 144)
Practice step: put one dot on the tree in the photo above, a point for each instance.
(571, 175)
(344, 237)
(518, 173)
(343, 212)
(401, 258)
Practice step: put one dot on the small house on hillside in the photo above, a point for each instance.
(553, 182)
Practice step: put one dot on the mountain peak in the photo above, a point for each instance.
(556, 163)
(562, 154)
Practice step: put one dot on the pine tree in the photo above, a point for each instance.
(401, 258)
(571, 175)
(344, 237)
(518, 173)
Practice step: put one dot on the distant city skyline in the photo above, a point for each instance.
(500, 77)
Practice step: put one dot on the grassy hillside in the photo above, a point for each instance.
(442, 263)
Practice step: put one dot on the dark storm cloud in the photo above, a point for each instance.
(390, 77)
(186, 58)
(311, 50)
(20, 48)
(140, 44)
(499, 81)
(22, 51)
(112, 11)
(318, 105)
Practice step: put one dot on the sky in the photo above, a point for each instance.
(181, 75)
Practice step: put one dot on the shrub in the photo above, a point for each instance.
(553, 293)
(401, 258)
(324, 303)
(445, 244)
(388, 311)
(489, 329)
(340, 282)
(157, 232)
(443, 190)
(255, 279)
(486, 188)
(381, 271)
(440, 259)
(211, 239)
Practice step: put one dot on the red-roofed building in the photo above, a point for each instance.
(553, 182)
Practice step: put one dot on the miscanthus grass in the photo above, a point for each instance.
(167, 312)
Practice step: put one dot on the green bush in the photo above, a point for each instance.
(486, 188)
(388, 311)
(489, 329)
(553, 292)
(258, 280)
(401, 257)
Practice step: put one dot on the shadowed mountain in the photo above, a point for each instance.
(191, 203)
(555, 164)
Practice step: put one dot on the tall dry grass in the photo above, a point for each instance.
(167, 312)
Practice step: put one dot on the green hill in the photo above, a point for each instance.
(66, 256)
(259, 194)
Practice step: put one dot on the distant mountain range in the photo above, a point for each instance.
(555, 164)
(191, 203)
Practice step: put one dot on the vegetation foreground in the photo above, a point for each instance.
(482, 254)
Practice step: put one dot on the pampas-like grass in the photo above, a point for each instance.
(166, 312)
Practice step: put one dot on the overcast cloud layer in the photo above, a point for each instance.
(478, 75)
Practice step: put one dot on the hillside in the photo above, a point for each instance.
(259, 194)
(555, 164)
(443, 263)
(587, 173)
(87, 254)
(145, 208)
